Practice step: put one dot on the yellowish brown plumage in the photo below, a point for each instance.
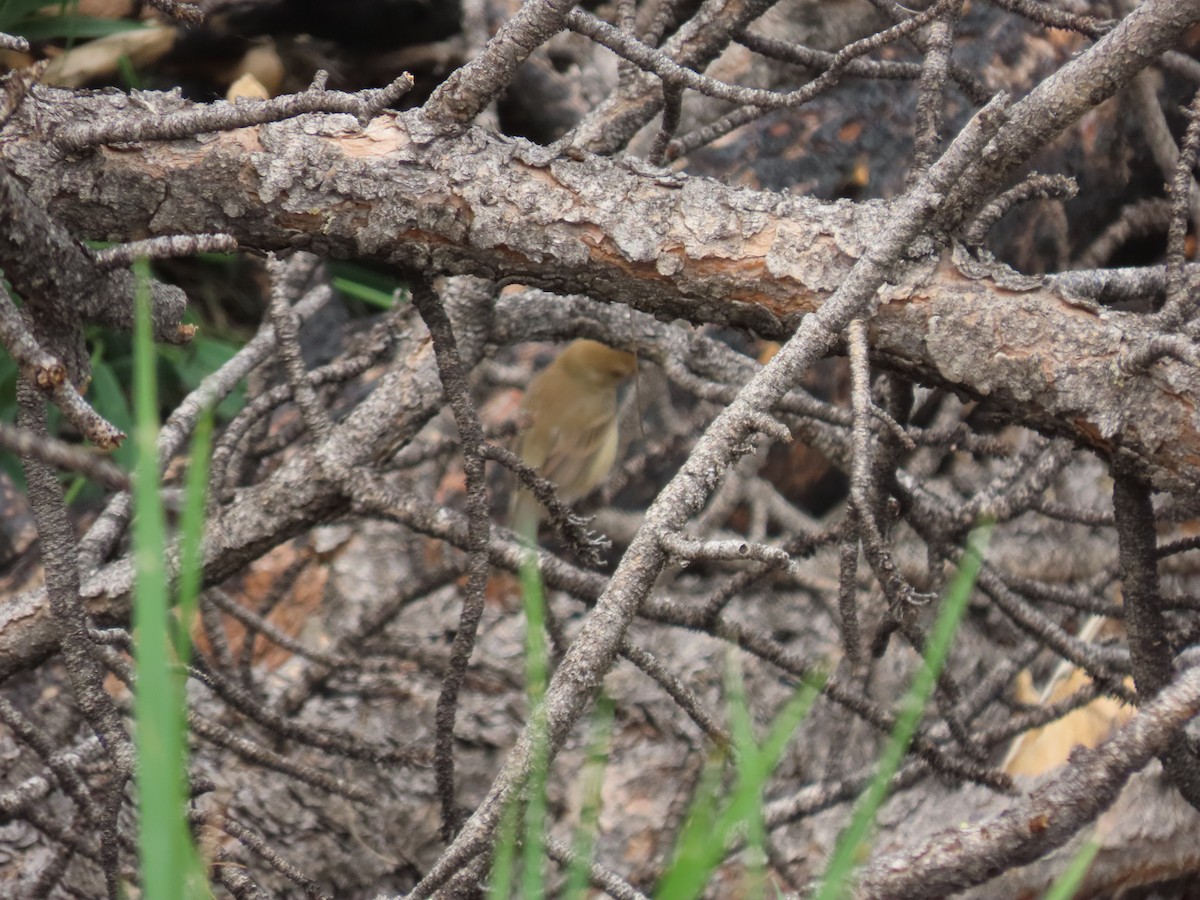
(571, 407)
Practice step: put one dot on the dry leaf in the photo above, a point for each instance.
(1042, 749)
(247, 86)
(99, 58)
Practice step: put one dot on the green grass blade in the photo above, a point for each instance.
(533, 849)
(170, 866)
(74, 27)
(592, 779)
(375, 288)
(366, 293)
(1071, 879)
(109, 399)
(711, 825)
(128, 72)
(694, 854)
(12, 11)
(500, 882)
(536, 675)
(838, 876)
(752, 782)
(157, 701)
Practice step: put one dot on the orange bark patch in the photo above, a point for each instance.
(289, 613)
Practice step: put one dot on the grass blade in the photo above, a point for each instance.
(838, 876)
(536, 675)
(711, 825)
(1071, 879)
(170, 866)
(592, 783)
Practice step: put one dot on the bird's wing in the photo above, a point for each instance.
(580, 457)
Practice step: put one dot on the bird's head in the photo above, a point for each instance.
(592, 360)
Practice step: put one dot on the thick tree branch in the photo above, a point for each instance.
(400, 193)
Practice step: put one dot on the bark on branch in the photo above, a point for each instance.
(403, 193)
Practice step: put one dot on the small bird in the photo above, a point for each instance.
(572, 436)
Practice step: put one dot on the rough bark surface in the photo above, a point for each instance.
(801, 217)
